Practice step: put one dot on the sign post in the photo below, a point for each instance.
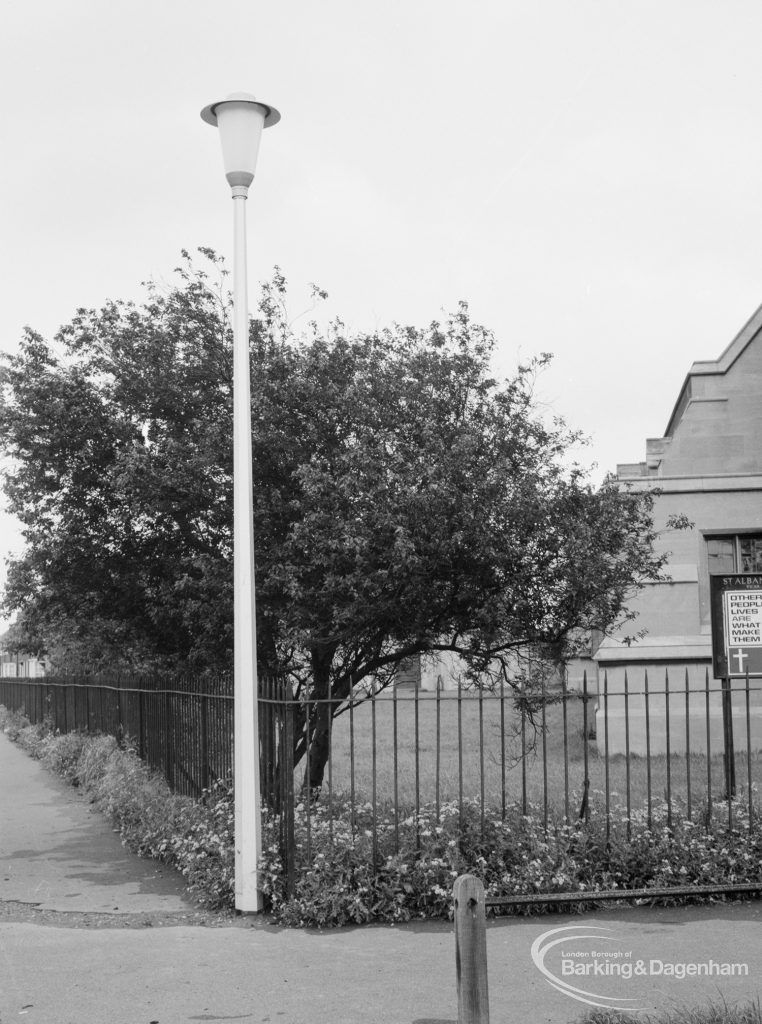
(736, 604)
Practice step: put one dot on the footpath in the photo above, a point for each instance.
(90, 934)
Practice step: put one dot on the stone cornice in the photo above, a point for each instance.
(696, 484)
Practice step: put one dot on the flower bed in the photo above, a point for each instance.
(336, 885)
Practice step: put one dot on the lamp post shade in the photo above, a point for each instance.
(240, 119)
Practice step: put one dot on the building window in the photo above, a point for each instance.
(739, 553)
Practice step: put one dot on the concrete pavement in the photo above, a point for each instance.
(89, 933)
(60, 854)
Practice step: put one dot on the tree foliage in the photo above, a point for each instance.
(405, 501)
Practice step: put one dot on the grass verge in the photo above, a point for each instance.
(715, 1013)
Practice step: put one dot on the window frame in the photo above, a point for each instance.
(731, 533)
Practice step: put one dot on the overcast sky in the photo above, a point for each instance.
(587, 174)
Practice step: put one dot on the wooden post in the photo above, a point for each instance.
(471, 950)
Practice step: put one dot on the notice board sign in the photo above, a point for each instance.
(736, 624)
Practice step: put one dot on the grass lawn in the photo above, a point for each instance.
(443, 745)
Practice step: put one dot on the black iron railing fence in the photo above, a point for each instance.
(181, 726)
(632, 746)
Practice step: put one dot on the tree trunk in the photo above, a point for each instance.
(320, 738)
(320, 749)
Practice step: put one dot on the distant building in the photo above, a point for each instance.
(17, 664)
(707, 466)
(446, 670)
(408, 674)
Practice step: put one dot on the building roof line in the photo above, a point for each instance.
(706, 367)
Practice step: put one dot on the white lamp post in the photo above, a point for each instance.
(240, 119)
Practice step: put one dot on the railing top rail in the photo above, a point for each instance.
(656, 892)
(222, 687)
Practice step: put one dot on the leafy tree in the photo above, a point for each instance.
(121, 479)
(406, 502)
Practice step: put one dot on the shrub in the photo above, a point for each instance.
(205, 850)
(94, 760)
(13, 722)
(62, 754)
